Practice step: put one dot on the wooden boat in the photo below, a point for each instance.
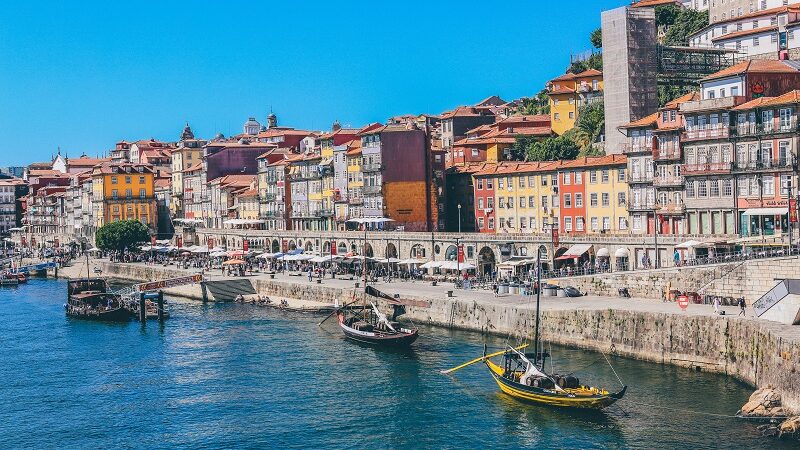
(7, 279)
(523, 377)
(371, 326)
(91, 299)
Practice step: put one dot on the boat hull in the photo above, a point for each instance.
(402, 338)
(586, 398)
(114, 315)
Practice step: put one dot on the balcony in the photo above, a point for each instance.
(273, 214)
(750, 166)
(761, 129)
(268, 197)
(325, 213)
(669, 152)
(711, 104)
(705, 169)
(371, 189)
(637, 147)
(717, 132)
(671, 209)
(641, 206)
(668, 181)
(640, 178)
(368, 168)
(356, 201)
(308, 176)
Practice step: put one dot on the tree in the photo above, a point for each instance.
(667, 15)
(686, 22)
(596, 38)
(538, 104)
(590, 125)
(122, 235)
(553, 149)
(595, 61)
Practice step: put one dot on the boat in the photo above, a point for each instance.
(371, 326)
(91, 299)
(523, 375)
(9, 279)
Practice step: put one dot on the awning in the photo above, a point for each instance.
(622, 253)
(688, 244)
(766, 211)
(603, 253)
(576, 251)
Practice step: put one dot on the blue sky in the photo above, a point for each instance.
(83, 75)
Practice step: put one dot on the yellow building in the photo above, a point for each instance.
(188, 153)
(605, 185)
(124, 191)
(247, 203)
(568, 93)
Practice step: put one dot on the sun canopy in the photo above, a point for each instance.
(603, 253)
(576, 251)
(622, 253)
(217, 254)
(454, 265)
(233, 262)
(431, 265)
(372, 220)
(688, 244)
(412, 261)
(766, 211)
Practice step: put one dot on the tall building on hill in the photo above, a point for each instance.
(630, 69)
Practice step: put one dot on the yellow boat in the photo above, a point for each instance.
(520, 378)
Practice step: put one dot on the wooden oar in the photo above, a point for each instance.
(479, 359)
(335, 310)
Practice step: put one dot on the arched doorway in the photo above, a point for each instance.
(292, 245)
(341, 248)
(451, 253)
(486, 261)
(354, 248)
(368, 251)
(556, 262)
(276, 246)
(391, 250)
(417, 251)
(326, 248)
(309, 246)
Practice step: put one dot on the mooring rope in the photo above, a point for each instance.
(612, 369)
(702, 413)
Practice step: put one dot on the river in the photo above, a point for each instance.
(230, 375)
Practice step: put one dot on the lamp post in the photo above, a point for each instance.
(459, 218)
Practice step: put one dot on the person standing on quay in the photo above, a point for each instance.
(742, 307)
(716, 305)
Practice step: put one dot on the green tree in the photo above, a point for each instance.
(122, 235)
(686, 22)
(667, 15)
(596, 38)
(590, 125)
(538, 104)
(593, 62)
(553, 149)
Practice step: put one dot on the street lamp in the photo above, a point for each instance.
(459, 218)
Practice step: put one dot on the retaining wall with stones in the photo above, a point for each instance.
(758, 352)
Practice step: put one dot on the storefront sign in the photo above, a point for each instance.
(793, 211)
(180, 242)
(333, 248)
(554, 232)
(767, 203)
(461, 253)
(245, 245)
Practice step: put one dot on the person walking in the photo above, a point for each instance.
(742, 307)
(716, 305)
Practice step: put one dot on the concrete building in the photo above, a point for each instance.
(629, 70)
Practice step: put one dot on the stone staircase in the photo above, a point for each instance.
(227, 290)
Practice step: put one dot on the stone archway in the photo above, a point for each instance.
(292, 245)
(276, 246)
(326, 248)
(451, 254)
(309, 246)
(486, 260)
(417, 251)
(341, 248)
(354, 248)
(391, 251)
(368, 251)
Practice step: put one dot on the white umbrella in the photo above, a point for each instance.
(453, 265)
(412, 261)
(431, 265)
(217, 254)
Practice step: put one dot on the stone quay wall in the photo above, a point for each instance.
(751, 279)
(758, 352)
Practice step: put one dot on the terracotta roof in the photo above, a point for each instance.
(43, 172)
(589, 73)
(738, 34)
(566, 77)
(753, 66)
(691, 96)
(492, 100)
(653, 3)
(514, 167)
(234, 180)
(85, 161)
(461, 111)
(643, 122)
(249, 193)
(340, 131)
(162, 183)
(790, 97)
(481, 129)
(197, 166)
(595, 161)
(763, 12)
(561, 90)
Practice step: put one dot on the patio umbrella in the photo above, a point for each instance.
(431, 265)
(233, 262)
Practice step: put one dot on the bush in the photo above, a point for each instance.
(122, 235)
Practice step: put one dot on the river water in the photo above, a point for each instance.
(229, 375)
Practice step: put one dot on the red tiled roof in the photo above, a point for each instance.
(561, 90)
(595, 161)
(589, 73)
(461, 111)
(643, 122)
(85, 161)
(691, 96)
(738, 34)
(566, 77)
(790, 97)
(753, 66)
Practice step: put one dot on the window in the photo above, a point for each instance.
(491, 223)
(127, 179)
(567, 201)
(592, 199)
(604, 176)
(579, 200)
(532, 201)
(606, 199)
(554, 179)
(593, 176)
(480, 203)
(755, 41)
(114, 194)
(521, 182)
(533, 223)
(490, 202)
(141, 180)
(531, 181)
(522, 202)
(773, 38)
(744, 187)
(571, 113)
(578, 177)
(621, 175)
(510, 201)
(501, 183)
(702, 190)
(621, 199)
(557, 115)
(579, 223)
(637, 223)
(567, 178)
(768, 182)
(128, 193)
(727, 188)
(489, 184)
(594, 224)
(623, 224)
(142, 193)
(480, 222)
(523, 223)
(113, 180)
(606, 223)
(480, 183)
(567, 223)
(714, 191)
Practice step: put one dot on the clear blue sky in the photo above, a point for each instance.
(83, 75)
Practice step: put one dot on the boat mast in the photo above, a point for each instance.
(538, 295)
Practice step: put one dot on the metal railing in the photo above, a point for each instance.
(716, 132)
(668, 181)
(371, 189)
(637, 147)
(640, 178)
(702, 169)
(372, 167)
(762, 165)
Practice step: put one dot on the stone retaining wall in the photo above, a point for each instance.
(753, 351)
